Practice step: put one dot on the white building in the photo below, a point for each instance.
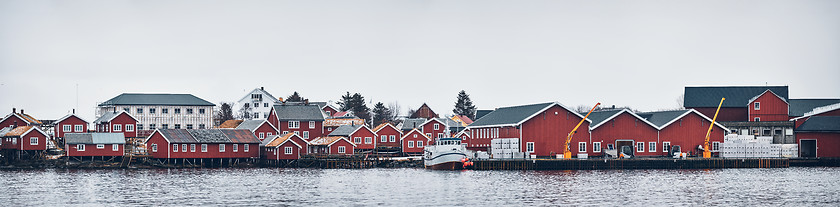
(258, 102)
(165, 111)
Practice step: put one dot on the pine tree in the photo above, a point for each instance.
(359, 108)
(464, 106)
(381, 114)
(295, 97)
(346, 102)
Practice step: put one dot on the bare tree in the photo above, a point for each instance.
(681, 101)
(245, 112)
(395, 108)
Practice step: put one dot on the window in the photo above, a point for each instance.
(189, 111)
(164, 111)
(311, 124)
(383, 138)
(126, 110)
(256, 115)
(129, 127)
(428, 134)
(437, 126)
(788, 131)
(329, 113)
(201, 126)
(79, 128)
(66, 128)
(368, 140)
(117, 127)
(175, 148)
(306, 134)
(581, 146)
(100, 146)
(265, 104)
(757, 105)
(777, 132)
(235, 147)
(651, 146)
(262, 135)
(419, 144)
(415, 135)
(410, 144)
(529, 147)
(765, 132)
(81, 147)
(115, 147)
(201, 111)
(152, 126)
(246, 147)
(154, 147)
(164, 126)
(33, 141)
(152, 110)
(256, 105)
(440, 135)
(357, 140)
(269, 134)
(192, 147)
(341, 149)
(715, 146)
(392, 138)
(287, 150)
(203, 147)
(177, 126)
(247, 105)
(294, 124)
(177, 110)
(596, 147)
(285, 132)
(265, 115)
(610, 147)
(297, 133)
(221, 147)
(757, 119)
(189, 126)
(640, 146)
(139, 127)
(184, 148)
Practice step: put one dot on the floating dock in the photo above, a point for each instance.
(614, 164)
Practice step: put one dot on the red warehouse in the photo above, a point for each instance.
(388, 135)
(819, 136)
(830, 110)
(117, 122)
(19, 119)
(95, 144)
(260, 127)
(705, 99)
(286, 147)
(70, 124)
(612, 130)
(305, 120)
(686, 129)
(331, 146)
(540, 128)
(414, 141)
(360, 135)
(203, 143)
(767, 106)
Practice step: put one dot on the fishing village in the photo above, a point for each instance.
(719, 127)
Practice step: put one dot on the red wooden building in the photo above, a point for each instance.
(819, 136)
(16, 119)
(613, 129)
(435, 128)
(768, 106)
(424, 112)
(686, 129)
(305, 120)
(464, 136)
(23, 138)
(94, 144)
(286, 147)
(388, 135)
(119, 121)
(70, 124)
(331, 146)
(203, 143)
(329, 110)
(830, 110)
(705, 99)
(540, 128)
(360, 135)
(414, 141)
(260, 127)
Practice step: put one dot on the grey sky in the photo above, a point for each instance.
(633, 53)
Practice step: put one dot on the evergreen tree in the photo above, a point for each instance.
(295, 97)
(464, 106)
(381, 114)
(359, 108)
(346, 102)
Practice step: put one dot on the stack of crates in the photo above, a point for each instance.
(739, 146)
(505, 148)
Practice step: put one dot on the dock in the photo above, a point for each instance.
(617, 164)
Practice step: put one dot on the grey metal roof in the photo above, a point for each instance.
(821, 124)
(5, 131)
(660, 118)
(509, 115)
(736, 96)
(251, 124)
(600, 116)
(209, 135)
(344, 130)
(409, 124)
(299, 112)
(106, 116)
(798, 107)
(156, 99)
(481, 113)
(94, 138)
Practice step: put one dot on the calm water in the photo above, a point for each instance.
(418, 187)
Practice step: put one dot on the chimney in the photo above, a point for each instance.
(21, 111)
(74, 111)
(15, 124)
(14, 111)
(262, 88)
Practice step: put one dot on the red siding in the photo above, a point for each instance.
(348, 148)
(411, 138)
(330, 110)
(726, 114)
(165, 150)
(548, 131)
(162, 146)
(828, 144)
(265, 128)
(91, 150)
(362, 133)
(388, 132)
(429, 128)
(122, 119)
(10, 122)
(480, 137)
(25, 141)
(317, 131)
(771, 108)
(302, 143)
(279, 153)
(622, 127)
(689, 132)
(72, 121)
(272, 118)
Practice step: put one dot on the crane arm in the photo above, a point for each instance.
(707, 152)
(568, 151)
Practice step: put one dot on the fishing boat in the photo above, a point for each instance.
(445, 154)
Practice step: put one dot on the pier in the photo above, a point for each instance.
(615, 164)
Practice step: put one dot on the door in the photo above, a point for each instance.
(619, 144)
(808, 148)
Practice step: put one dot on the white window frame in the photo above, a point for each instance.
(651, 146)
(306, 134)
(757, 106)
(341, 149)
(117, 127)
(437, 126)
(246, 146)
(100, 146)
(297, 133)
(311, 124)
(419, 144)
(529, 147)
(428, 134)
(268, 134)
(67, 128)
(410, 144)
(192, 147)
(383, 138)
(357, 140)
(175, 148)
(294, 124)
(757, 119)
(79, 128)
(129, 127)
(368, 140)
(33, 140)
(115, 147)
(392, 138)
(184, 147)
(440, 135)
(285, 132)
(715, 146)
(81, 147)
(235, 147)
(581, 146)
(287, 150)
(596, 146)
(640, 146)
(203, 147)
(666, 146)
(262, 135)
(221, 147)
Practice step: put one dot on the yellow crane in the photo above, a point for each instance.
(707, 152)
(568, 153)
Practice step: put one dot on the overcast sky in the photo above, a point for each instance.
(627, 53)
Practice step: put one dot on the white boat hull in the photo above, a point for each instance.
(446, 157)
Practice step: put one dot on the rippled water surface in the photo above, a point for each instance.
(418, 187)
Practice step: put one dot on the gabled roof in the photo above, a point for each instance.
(418, 132)
(329, 105)
(277, 140)
(383, 125)
(481, 113)
(424, 112)
(298, 112)
(22, 130)
(464, 132)
(95, 138)
(260, 90)
(328, 141)
(239, 135)
(346, 130)
(410, 123)
(108, 116)
(341, 122)
(736, 96)
(68, 116)
(798, 107)
(601, 117)
(207, 136)
(821, 124)
(230, 124)
(515, 115)
(662, 116)
(252, 124)
(25, 117)
(464, 119)
(819, 110)
(771, 92)
(5, 130)
(156, 99)
(341, 113)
